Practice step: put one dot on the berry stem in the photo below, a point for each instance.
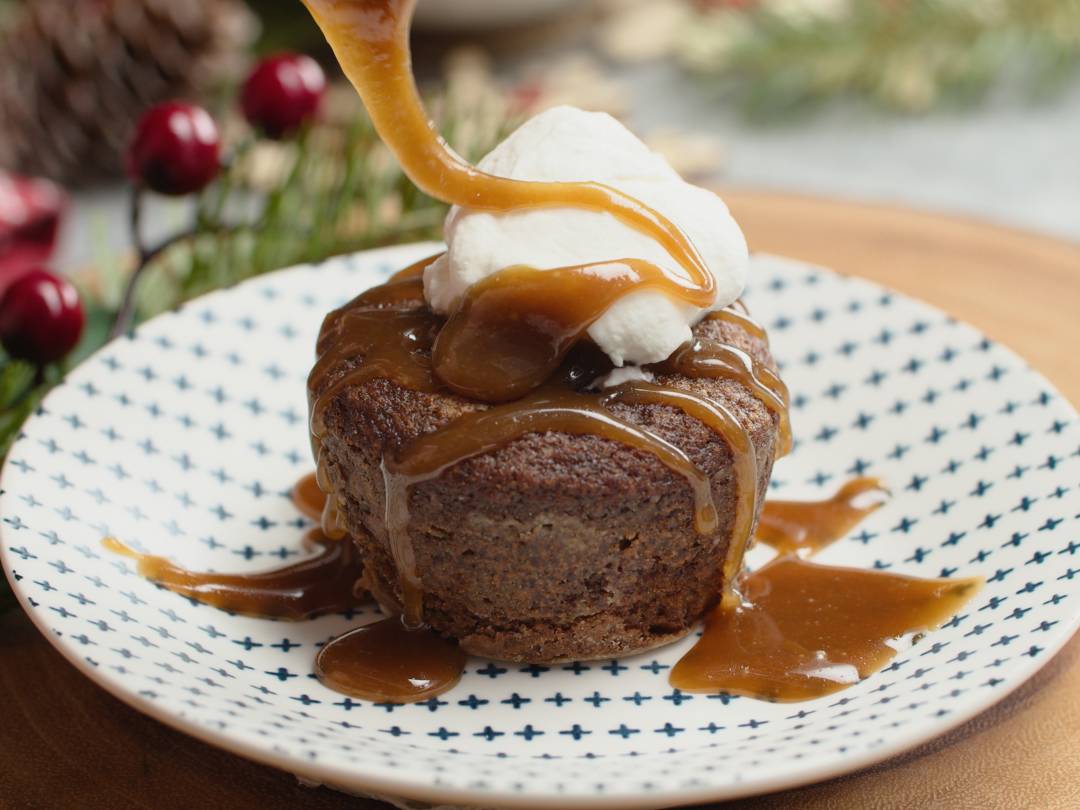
(125, 315)
(127, 305)
(146, 255)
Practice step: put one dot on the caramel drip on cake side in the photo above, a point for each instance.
(709, 358)
(554, 409)
(309, 497)
(723, 423)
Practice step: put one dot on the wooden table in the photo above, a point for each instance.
(66, 743)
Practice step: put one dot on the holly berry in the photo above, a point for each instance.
(41, 318)
(176, 149)
(283, 93)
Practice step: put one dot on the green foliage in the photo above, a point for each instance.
(21, 390)
(780, 56)
(19, 395)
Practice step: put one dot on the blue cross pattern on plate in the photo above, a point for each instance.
(186, 439)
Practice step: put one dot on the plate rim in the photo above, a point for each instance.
(350, 780)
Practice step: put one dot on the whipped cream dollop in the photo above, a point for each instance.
(570, 145)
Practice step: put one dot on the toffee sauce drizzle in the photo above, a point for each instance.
(511, 333)
(808, 630)
(327, 582)
(509, 336)
(801, 631)
(806, 527)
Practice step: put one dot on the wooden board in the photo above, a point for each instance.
(66, 743)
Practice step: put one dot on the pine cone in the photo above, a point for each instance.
(75, 75)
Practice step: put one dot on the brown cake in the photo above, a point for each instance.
(555, 546)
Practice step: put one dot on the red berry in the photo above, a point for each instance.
(283, 93)
(176, 149)
(41, 318)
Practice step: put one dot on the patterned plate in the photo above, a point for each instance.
(186, 439)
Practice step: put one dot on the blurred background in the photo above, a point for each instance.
(969, 107)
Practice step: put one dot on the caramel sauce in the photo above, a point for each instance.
(324, 583)
(384, 661)
(389, 663)
(797, 631)
(802, 630)
(737, 315)
(522, 322)
(709, 358)
(807, 630)
(717, 417)
(809, 526)
(308, 497)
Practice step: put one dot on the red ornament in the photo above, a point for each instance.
(283, 93)
(176, 149)
(41, 318)
(30, 214)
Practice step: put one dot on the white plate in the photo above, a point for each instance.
(187, 438)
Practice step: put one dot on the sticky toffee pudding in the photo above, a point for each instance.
(478, 479)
